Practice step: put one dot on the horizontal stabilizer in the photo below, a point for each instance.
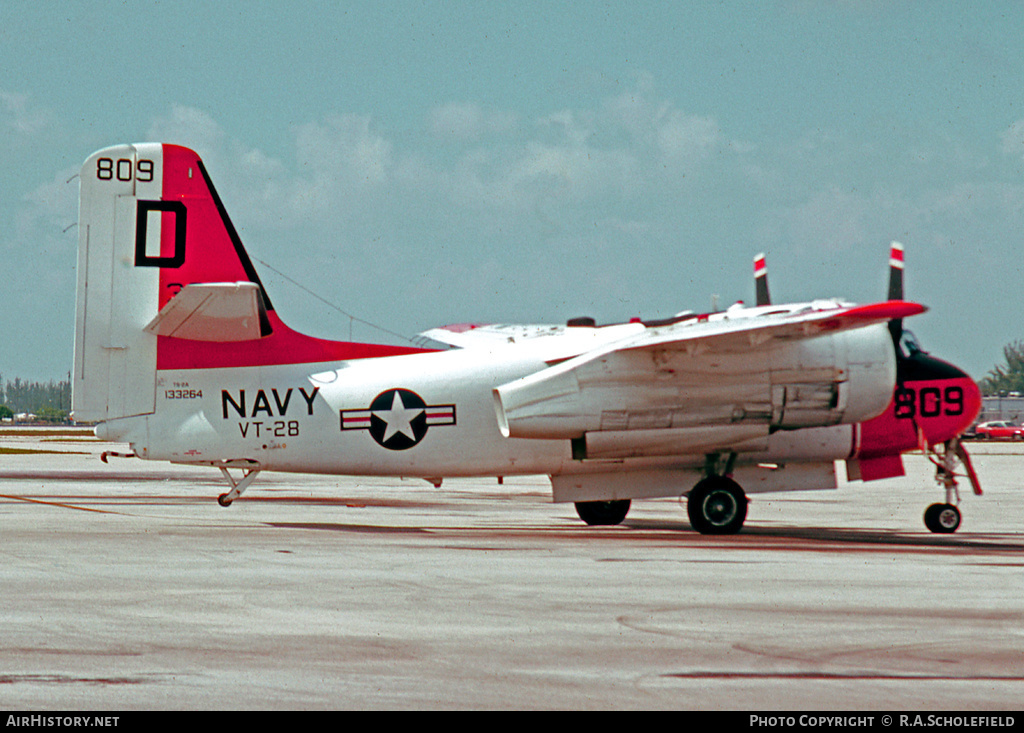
(220, 312)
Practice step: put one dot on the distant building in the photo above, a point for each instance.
(1010, 407)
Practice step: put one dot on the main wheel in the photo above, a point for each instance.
(942, 518)
(597, 513)
(717, 505)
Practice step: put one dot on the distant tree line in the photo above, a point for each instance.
(47, 400)
(1007, 377)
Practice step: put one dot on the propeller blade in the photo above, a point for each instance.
(896, 289)
(761, 280)
(896, 271)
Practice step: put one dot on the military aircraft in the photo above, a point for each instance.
(180, 353)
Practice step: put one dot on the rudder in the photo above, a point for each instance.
(115, 361)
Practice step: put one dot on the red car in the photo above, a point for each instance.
(1000, 430)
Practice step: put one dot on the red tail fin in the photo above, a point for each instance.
(204, 247)
(152, 227)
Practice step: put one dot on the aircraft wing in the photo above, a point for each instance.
(223, 312)
(714, 370)
(552, 343)
(468, 335)
(743, 329)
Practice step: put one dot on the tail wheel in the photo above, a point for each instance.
(717, 505)
(602, 513)
(942, 518)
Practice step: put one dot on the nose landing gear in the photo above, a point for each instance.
(945, 518)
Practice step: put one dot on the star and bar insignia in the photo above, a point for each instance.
(398, 418)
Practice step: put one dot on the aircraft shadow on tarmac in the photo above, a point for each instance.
(845, 536)
(752, 537)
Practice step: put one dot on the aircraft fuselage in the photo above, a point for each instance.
(433, 415)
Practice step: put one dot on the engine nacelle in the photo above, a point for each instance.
(847, 378)
(844, 377)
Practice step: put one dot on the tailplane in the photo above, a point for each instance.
(165, 283)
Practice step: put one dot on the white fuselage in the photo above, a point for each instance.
(290, 418)
(344, 418)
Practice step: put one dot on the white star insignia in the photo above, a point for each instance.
(398, 418)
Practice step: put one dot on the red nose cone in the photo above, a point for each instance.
(934, 401)
(940, 399)
(953, 421)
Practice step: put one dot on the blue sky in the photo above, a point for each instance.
(423, 163)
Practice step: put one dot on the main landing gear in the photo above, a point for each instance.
(944, 518)
(716, 505)
(603, 513)
(250, 471)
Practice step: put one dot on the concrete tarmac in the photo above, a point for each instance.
(125, 586)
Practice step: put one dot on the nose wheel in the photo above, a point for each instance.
(942, 518)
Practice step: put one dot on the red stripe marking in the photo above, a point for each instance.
(210, 256)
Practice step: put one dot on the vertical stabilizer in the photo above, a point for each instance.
(115, 360)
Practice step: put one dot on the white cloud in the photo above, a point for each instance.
(1013, 139)
(53, 205)
(661, 128)
(627, 147)
(683, 135)
(468, 121)
(20, 114)
(460, 120)
(344, 148)
(575, 172)
(190, 127)
(25, 126)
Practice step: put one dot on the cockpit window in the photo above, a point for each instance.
(909, 344)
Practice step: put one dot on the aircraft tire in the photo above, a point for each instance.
(942, 518)
(223, 500)
(602, 513)
(717, 505)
